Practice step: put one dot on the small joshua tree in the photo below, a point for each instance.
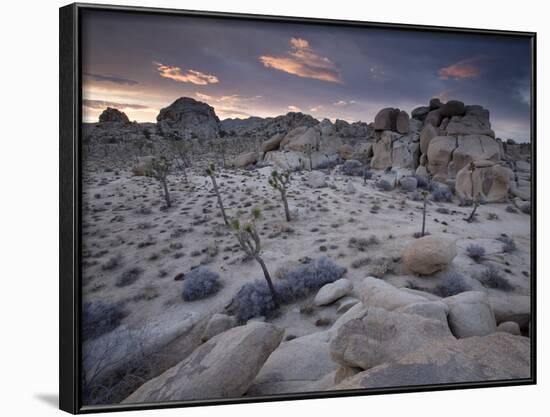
(425, 198)
(471, 217)
(280, 182)
(159, 169)
(249, 240)
(211, 172)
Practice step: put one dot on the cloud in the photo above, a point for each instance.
(294, 108)
(110, 78)
(316, 109)
(467, 68)
(102, 104)
(304, 62)
(188, 76)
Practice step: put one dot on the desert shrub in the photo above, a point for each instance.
(508, 244)
(361, 244)
(384, 185)
(408, 184)
(454, 283)
(416, 196)
(200, 283)
(359, 263)
(421, 182)
(492, 278)
(367, 174)
(129, 277)
(525, 208)
(440, 192)
(353, 168)
(100, 317)
(327, 164)
(475, 251)
(112, 263)
(511, 209)
(255, 300)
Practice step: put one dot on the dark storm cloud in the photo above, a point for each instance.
(101, 105)
(111, 78)
(328, 71)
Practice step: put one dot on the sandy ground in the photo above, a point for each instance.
(123, 219)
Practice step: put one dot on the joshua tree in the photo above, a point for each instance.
(280, 182)
(249, 240)
(211, 172)
(425, 198)
(159, 169)
(476, 202)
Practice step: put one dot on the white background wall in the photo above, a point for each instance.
(29, 205)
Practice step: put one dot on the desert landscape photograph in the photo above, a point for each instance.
(275, 208)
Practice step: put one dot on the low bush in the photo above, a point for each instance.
(361, 244)
(200, 283)
(254, 299)
(129, 277)
(384, 185)
(508, 244)
(476, 252)
(440, 192)
(353, 168)
(492, 278)
(454, 283)
(99, 318)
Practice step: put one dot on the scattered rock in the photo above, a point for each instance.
(333, 291)
(429, 254)
(509, 327)
(244, 160)
(470, 314)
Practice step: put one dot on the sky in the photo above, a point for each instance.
(140, 63)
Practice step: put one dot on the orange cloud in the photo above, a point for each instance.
(294, 109)
(304, 62)
(189, 76)
(467, 68)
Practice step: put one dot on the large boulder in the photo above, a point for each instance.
(426, 135)
(329, 293)
(386, 119)
(487, 180)
(244, 159)
(420, 113)
(474, 122)
(375, 292)
(510, 307)
(187, 118)
(346, 152)
(429, 254)
(382, 150)
(497, 357)
(272, 144)
(402, 122)
(433, 118)
(294, 365)
(435, 310)
(435, 103)
(223, 367)
(405, 153)
(217, 324)
(110, 115)
(453, 108)
(309, 139)
(384, 336)
(447, 155)
(470, 314)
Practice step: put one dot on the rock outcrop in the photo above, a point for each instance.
(382, 336)
(223, 367)
(470, 314)
(110, 115)
(187, 118)
(499, 356)
(485, 180)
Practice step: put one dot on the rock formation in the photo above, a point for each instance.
(110, 115)
(187, 118)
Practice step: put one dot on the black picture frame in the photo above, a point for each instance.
(70, 238)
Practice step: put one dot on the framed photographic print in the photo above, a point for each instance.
(258, 208)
